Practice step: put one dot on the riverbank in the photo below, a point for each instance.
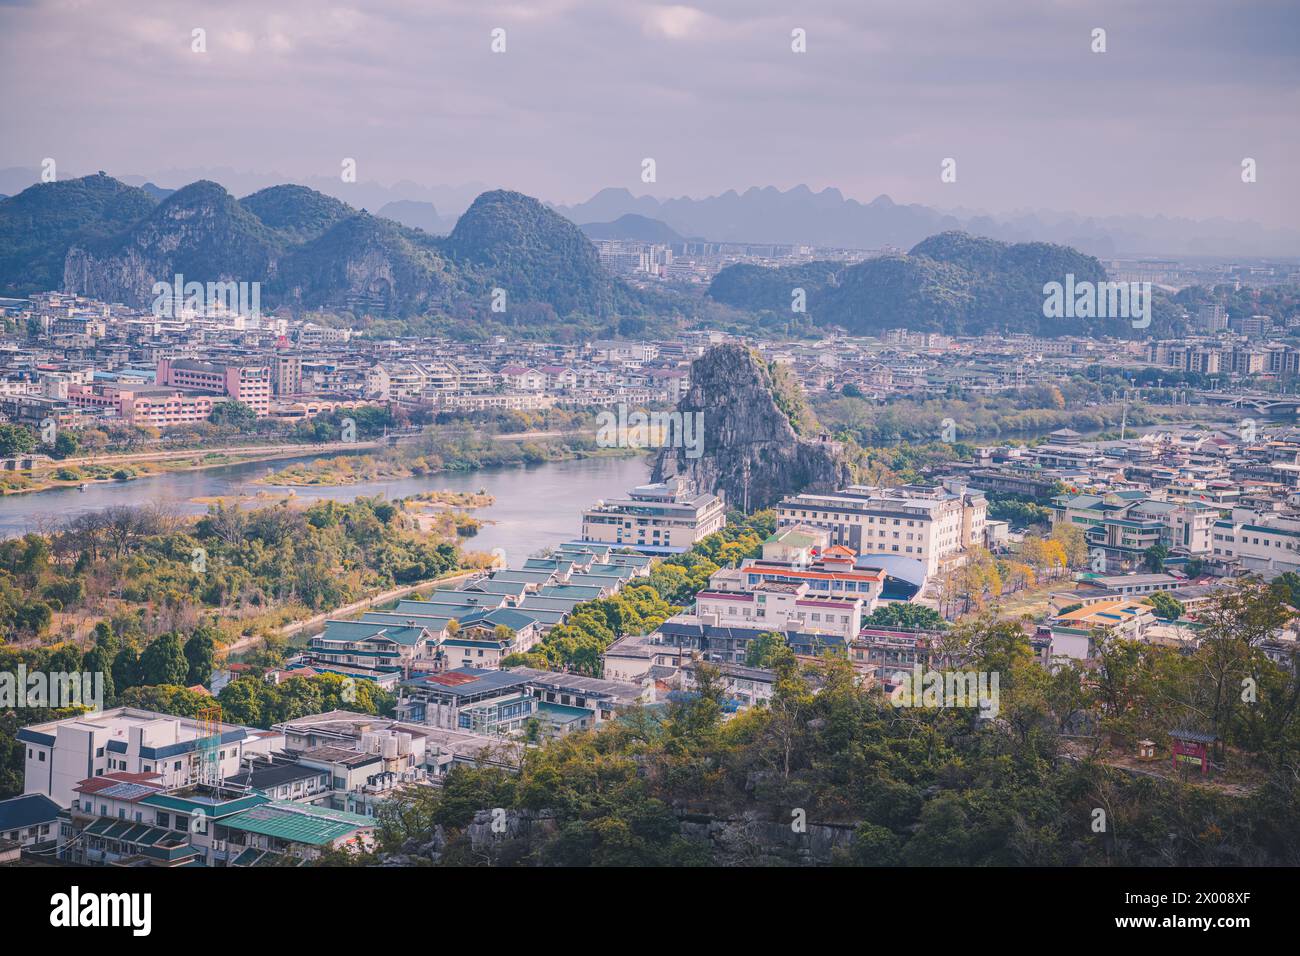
(398, 464)
(74, 472)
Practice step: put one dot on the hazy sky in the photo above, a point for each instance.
(1159, 124)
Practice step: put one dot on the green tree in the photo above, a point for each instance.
(200, 652)
(1155, 558)
(764, 650)
(236, 415)
(66, 444)
(903, 614)
(15, 440)
(1166, 605)
(163, 661)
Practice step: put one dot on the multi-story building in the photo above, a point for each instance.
(1268, 543)
(507, 702)
(799, 584)
(779, 607)
(152, 405)
(390, 644)
(662, 518)
(62, 753)
(249, 384)
(131, 820)
(1125, 524)
(1212, 318)
(922, 523)
(802, 555)
(286, 374)
(27, 820)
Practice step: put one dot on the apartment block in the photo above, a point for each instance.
(922, 523)
(249, 384)
(60, 754)
(662, 518)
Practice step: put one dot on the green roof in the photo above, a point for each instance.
(353, 631)
(210, 806)
(298, 823)
(792, 537)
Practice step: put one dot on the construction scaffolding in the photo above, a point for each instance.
(209, 746)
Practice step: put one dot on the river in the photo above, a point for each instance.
(536, 507)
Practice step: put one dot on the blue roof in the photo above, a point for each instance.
(18, 813)
(896, 566)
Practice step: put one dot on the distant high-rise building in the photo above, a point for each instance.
(286, 373)
(1212, 318)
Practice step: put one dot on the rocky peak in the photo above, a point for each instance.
(752, 455)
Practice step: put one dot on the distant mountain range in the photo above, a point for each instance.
(827, 219)
(100, 237)
(418, 215)
(771, 216)
(103, 238)
(633, 227)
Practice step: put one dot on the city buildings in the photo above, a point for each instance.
(62, 753)
(246, 383)
(666, 518)
(927, 525)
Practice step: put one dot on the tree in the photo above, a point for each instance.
(1166, 605)
(200, 652)
(15, 440)
(66, 444)
(163, 661)
(126, 668)
(763, 650)
(242, 701)
(903, 614)
(236, 415)
(1155, 558)
(1073, 542)
(1234, 626)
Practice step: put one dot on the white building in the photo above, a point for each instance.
(925, 524)
(778, 606)
(1259, 542)
(663, 517)
(62, 753)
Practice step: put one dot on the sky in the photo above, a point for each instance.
(1158, 124)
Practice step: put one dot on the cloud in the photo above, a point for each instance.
(710, 89)
(674, 22)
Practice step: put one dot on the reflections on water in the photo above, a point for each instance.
(537, 506)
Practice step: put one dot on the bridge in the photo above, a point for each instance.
(1262, 404)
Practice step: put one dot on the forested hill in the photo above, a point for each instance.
(99, 237)
(951, 282)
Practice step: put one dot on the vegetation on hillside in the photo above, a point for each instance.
(918, 785)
